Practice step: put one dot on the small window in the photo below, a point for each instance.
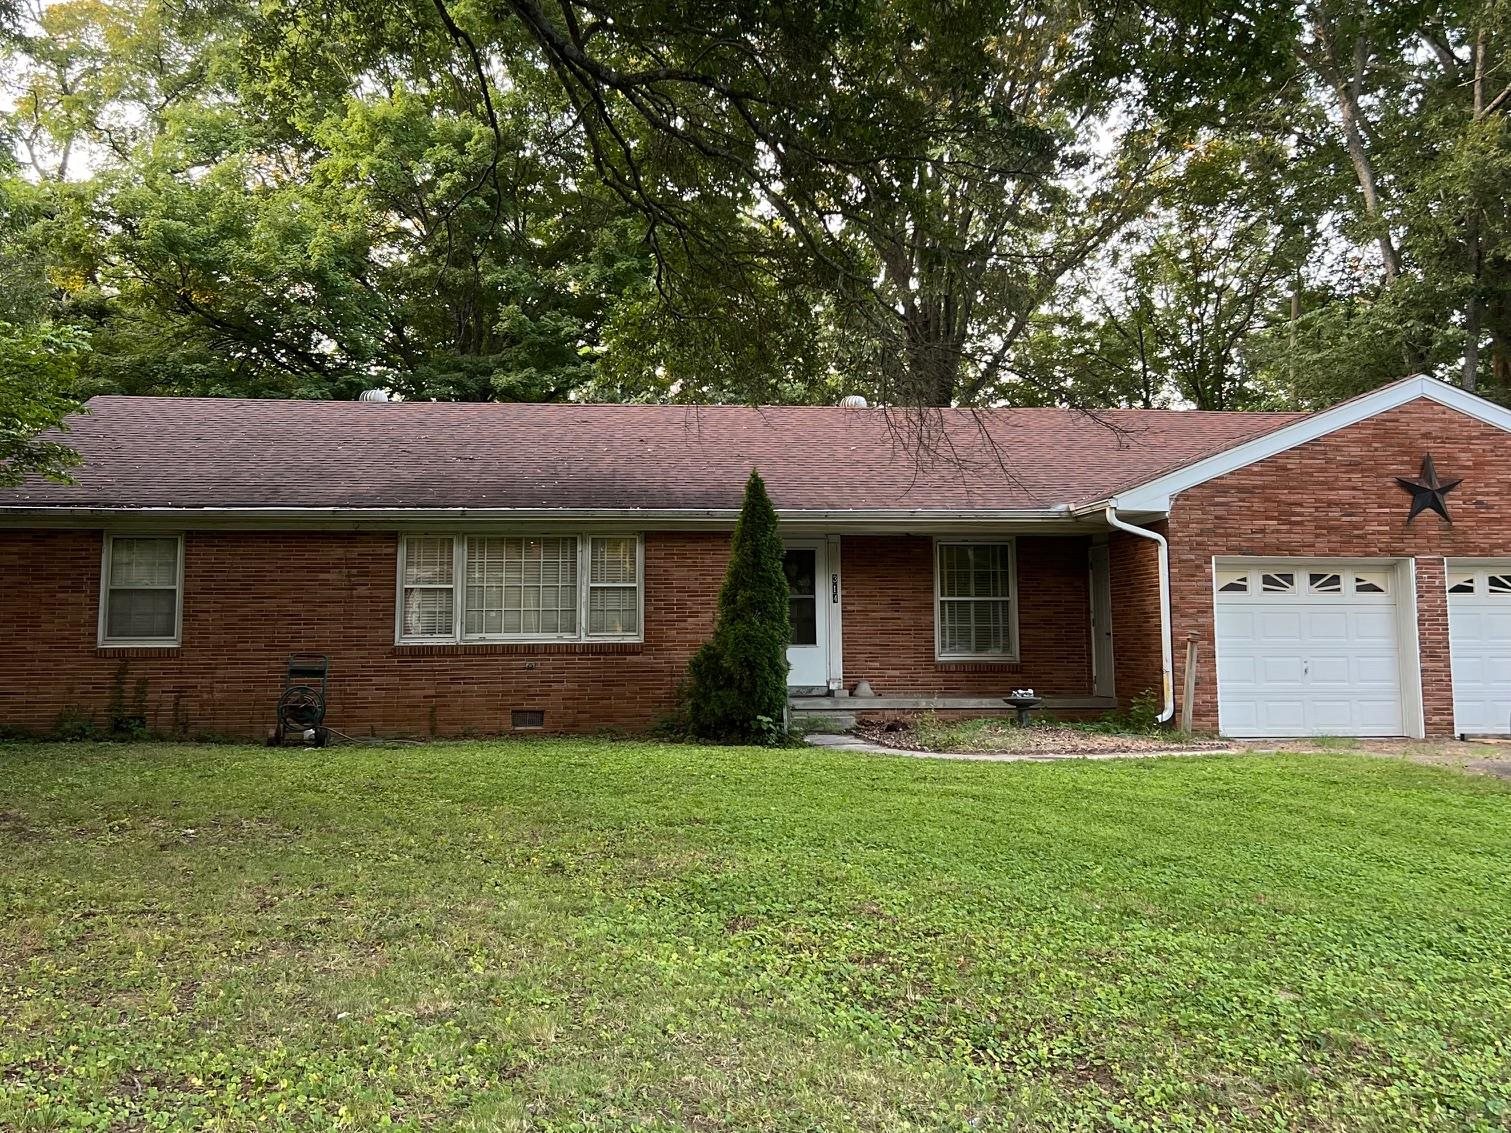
(527, 718)
(1232, 582)
(1498, 583)
(1461, 584)
(429, 588)
(975, 600)
(1277, 583)
(1325, 583)
(614, 586)
(140, 596)
(1372, 582)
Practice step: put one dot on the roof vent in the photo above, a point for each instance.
(375, 395)
(852, 401)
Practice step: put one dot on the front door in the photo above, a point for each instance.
(808, 655)
(1101, 622)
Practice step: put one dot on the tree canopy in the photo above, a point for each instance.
(929, 204)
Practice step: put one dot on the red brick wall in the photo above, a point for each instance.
(250, 599)
(1337, 496)
(889, 620)
(1138, 659)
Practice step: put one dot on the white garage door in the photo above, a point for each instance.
(1479, 629)
(1308, 649)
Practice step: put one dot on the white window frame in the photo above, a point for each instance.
(1006, 656)
(457, 636)
(102, 636)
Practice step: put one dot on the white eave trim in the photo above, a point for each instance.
(1154, 497)
(629, 519)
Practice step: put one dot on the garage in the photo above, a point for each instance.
(1479, 633)
(1308, 648)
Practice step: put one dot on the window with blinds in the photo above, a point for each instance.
(519, 588)
(139, 602)
(975, 615)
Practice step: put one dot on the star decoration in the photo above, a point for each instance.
(1427, 491)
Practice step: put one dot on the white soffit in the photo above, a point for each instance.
(1155, 495)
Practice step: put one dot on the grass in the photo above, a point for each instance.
(575, 935)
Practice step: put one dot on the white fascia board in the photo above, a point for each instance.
(1154, 497)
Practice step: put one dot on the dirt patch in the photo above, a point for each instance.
(1473, 758)
(1035, 740)
(15, 825)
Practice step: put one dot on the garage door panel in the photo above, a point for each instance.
(1310, 663)
(1278, 626)
(1375, 672)
(1279, 671)
(1329, 626)
(1278, 717)
(1479, 632)
(1373, 627)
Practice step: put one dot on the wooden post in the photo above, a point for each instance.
(1188, 687)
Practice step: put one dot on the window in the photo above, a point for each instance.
(975, 588)
(1324, 583)
(1498, 583)
(142, 576)
(1277, 583)
(614, 586)
(1461, 584)
(800, 565)
(519, 588)
(1372, 582)
(1233, 582)
(429, 588)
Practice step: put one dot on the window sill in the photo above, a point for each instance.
(527, 648)
(124, 652)
(976, 664)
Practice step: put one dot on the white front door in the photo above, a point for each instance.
(1479, 634)
(1308, 649)
(806, 566)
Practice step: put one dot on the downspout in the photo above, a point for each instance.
(1167, 656)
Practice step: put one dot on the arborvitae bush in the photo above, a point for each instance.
(737, 682)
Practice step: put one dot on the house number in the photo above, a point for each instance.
(834, 588)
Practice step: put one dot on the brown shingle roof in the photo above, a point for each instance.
(217, 452)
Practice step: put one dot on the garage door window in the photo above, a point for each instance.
(1484, 582)
(1284, 585)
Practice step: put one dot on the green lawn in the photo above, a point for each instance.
(587, 935)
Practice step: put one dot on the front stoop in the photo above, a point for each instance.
(838, 713)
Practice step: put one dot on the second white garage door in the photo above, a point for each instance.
(1308, 649)
(1479, 630)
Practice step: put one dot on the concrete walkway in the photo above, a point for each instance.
(850, 743)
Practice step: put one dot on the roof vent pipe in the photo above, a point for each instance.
(852, 401)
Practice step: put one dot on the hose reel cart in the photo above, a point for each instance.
(301, 704)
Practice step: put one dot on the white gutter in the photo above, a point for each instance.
(1167, 653)
(720, 515)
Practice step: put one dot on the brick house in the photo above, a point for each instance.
(469, 568)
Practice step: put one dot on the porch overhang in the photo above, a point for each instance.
(879, 521)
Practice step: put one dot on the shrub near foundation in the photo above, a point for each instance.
(736, 690)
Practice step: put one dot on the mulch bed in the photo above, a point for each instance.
(1037, 740)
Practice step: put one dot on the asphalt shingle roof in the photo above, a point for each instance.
(142, 452)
